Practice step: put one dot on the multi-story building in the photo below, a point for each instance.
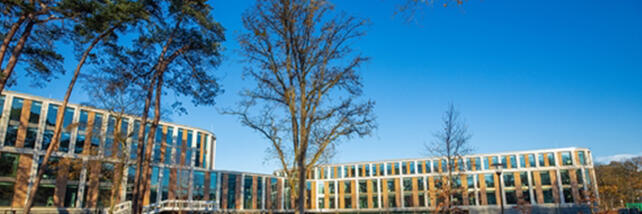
(82, 175)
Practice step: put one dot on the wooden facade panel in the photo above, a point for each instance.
(61, 182)
(370, 193)
(574, 186)
(24, 121)
(415, 192)
(22, 174)
(555, 185)
(93, 186)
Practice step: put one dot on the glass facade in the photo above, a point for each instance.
(182, 158)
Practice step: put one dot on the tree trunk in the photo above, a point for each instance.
(300, 205)
(136, 199)
(6, 73)
(59, 119)
(8, 37)
(151, 136)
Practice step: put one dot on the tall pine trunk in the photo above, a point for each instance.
(59, 118)
(9, 37)
(151, 137)
(13, 60)
(136, 199)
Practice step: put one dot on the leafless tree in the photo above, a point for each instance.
(121, 99)
(307, 93)
(411, 10)
(452, 142)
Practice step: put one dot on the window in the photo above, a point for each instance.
(509, 180)
(212, 192)
(407, 184)
(412, 167)
(522, 161)
(548, 195)
(231, 191)
(490, 196)
(531, 160)
(490, 180)
(435, 165)
(486, 163)
(389, 169)
(66, 132)
(545, 177)
(551, 159)
(32, 127)
(580, 177)
(477, 163)
(247, 192)
(428, 166)
(581, 157)
(568, 195)
(420, 166)
(8, 165)
(566, 178)
(14, 122)
(511, 197)
(540, 157)
(566, 159)
(513, 162)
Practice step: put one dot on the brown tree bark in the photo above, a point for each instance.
(13, 60)
(59, 118)
(9, 36)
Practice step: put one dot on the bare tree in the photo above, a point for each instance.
(120, 99)
(307, 90)
(452, 142)
(411, 10)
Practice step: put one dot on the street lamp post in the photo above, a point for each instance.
(498, 171)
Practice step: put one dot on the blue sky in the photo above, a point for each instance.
(524, 74)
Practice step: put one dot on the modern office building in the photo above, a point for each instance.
(82, 172)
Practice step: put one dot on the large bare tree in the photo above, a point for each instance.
(308, 89)
(451, 142)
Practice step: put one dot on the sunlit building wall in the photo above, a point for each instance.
(81, 171)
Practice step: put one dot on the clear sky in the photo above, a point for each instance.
(524, 74)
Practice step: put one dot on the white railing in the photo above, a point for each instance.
(176, 205)
(121, 208)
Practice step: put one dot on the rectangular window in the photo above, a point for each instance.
(428, 166)
(509, 180)
(212, 192)
(545, 177)
(14, 122)
(548, 196)
(522, 161)
(486, 163)
(490, 180)
(513, 162)
(551, 159)
(412, 167)
(531, 160)
(389, 169)
(540, 157)
(581, 157)
(66, 132)
(490, 196)
(568, 195)
(566, 159)
(511, 197)
(566, 178)
(8, 165)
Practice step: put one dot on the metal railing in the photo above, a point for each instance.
(176, 205)
(121, 208)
